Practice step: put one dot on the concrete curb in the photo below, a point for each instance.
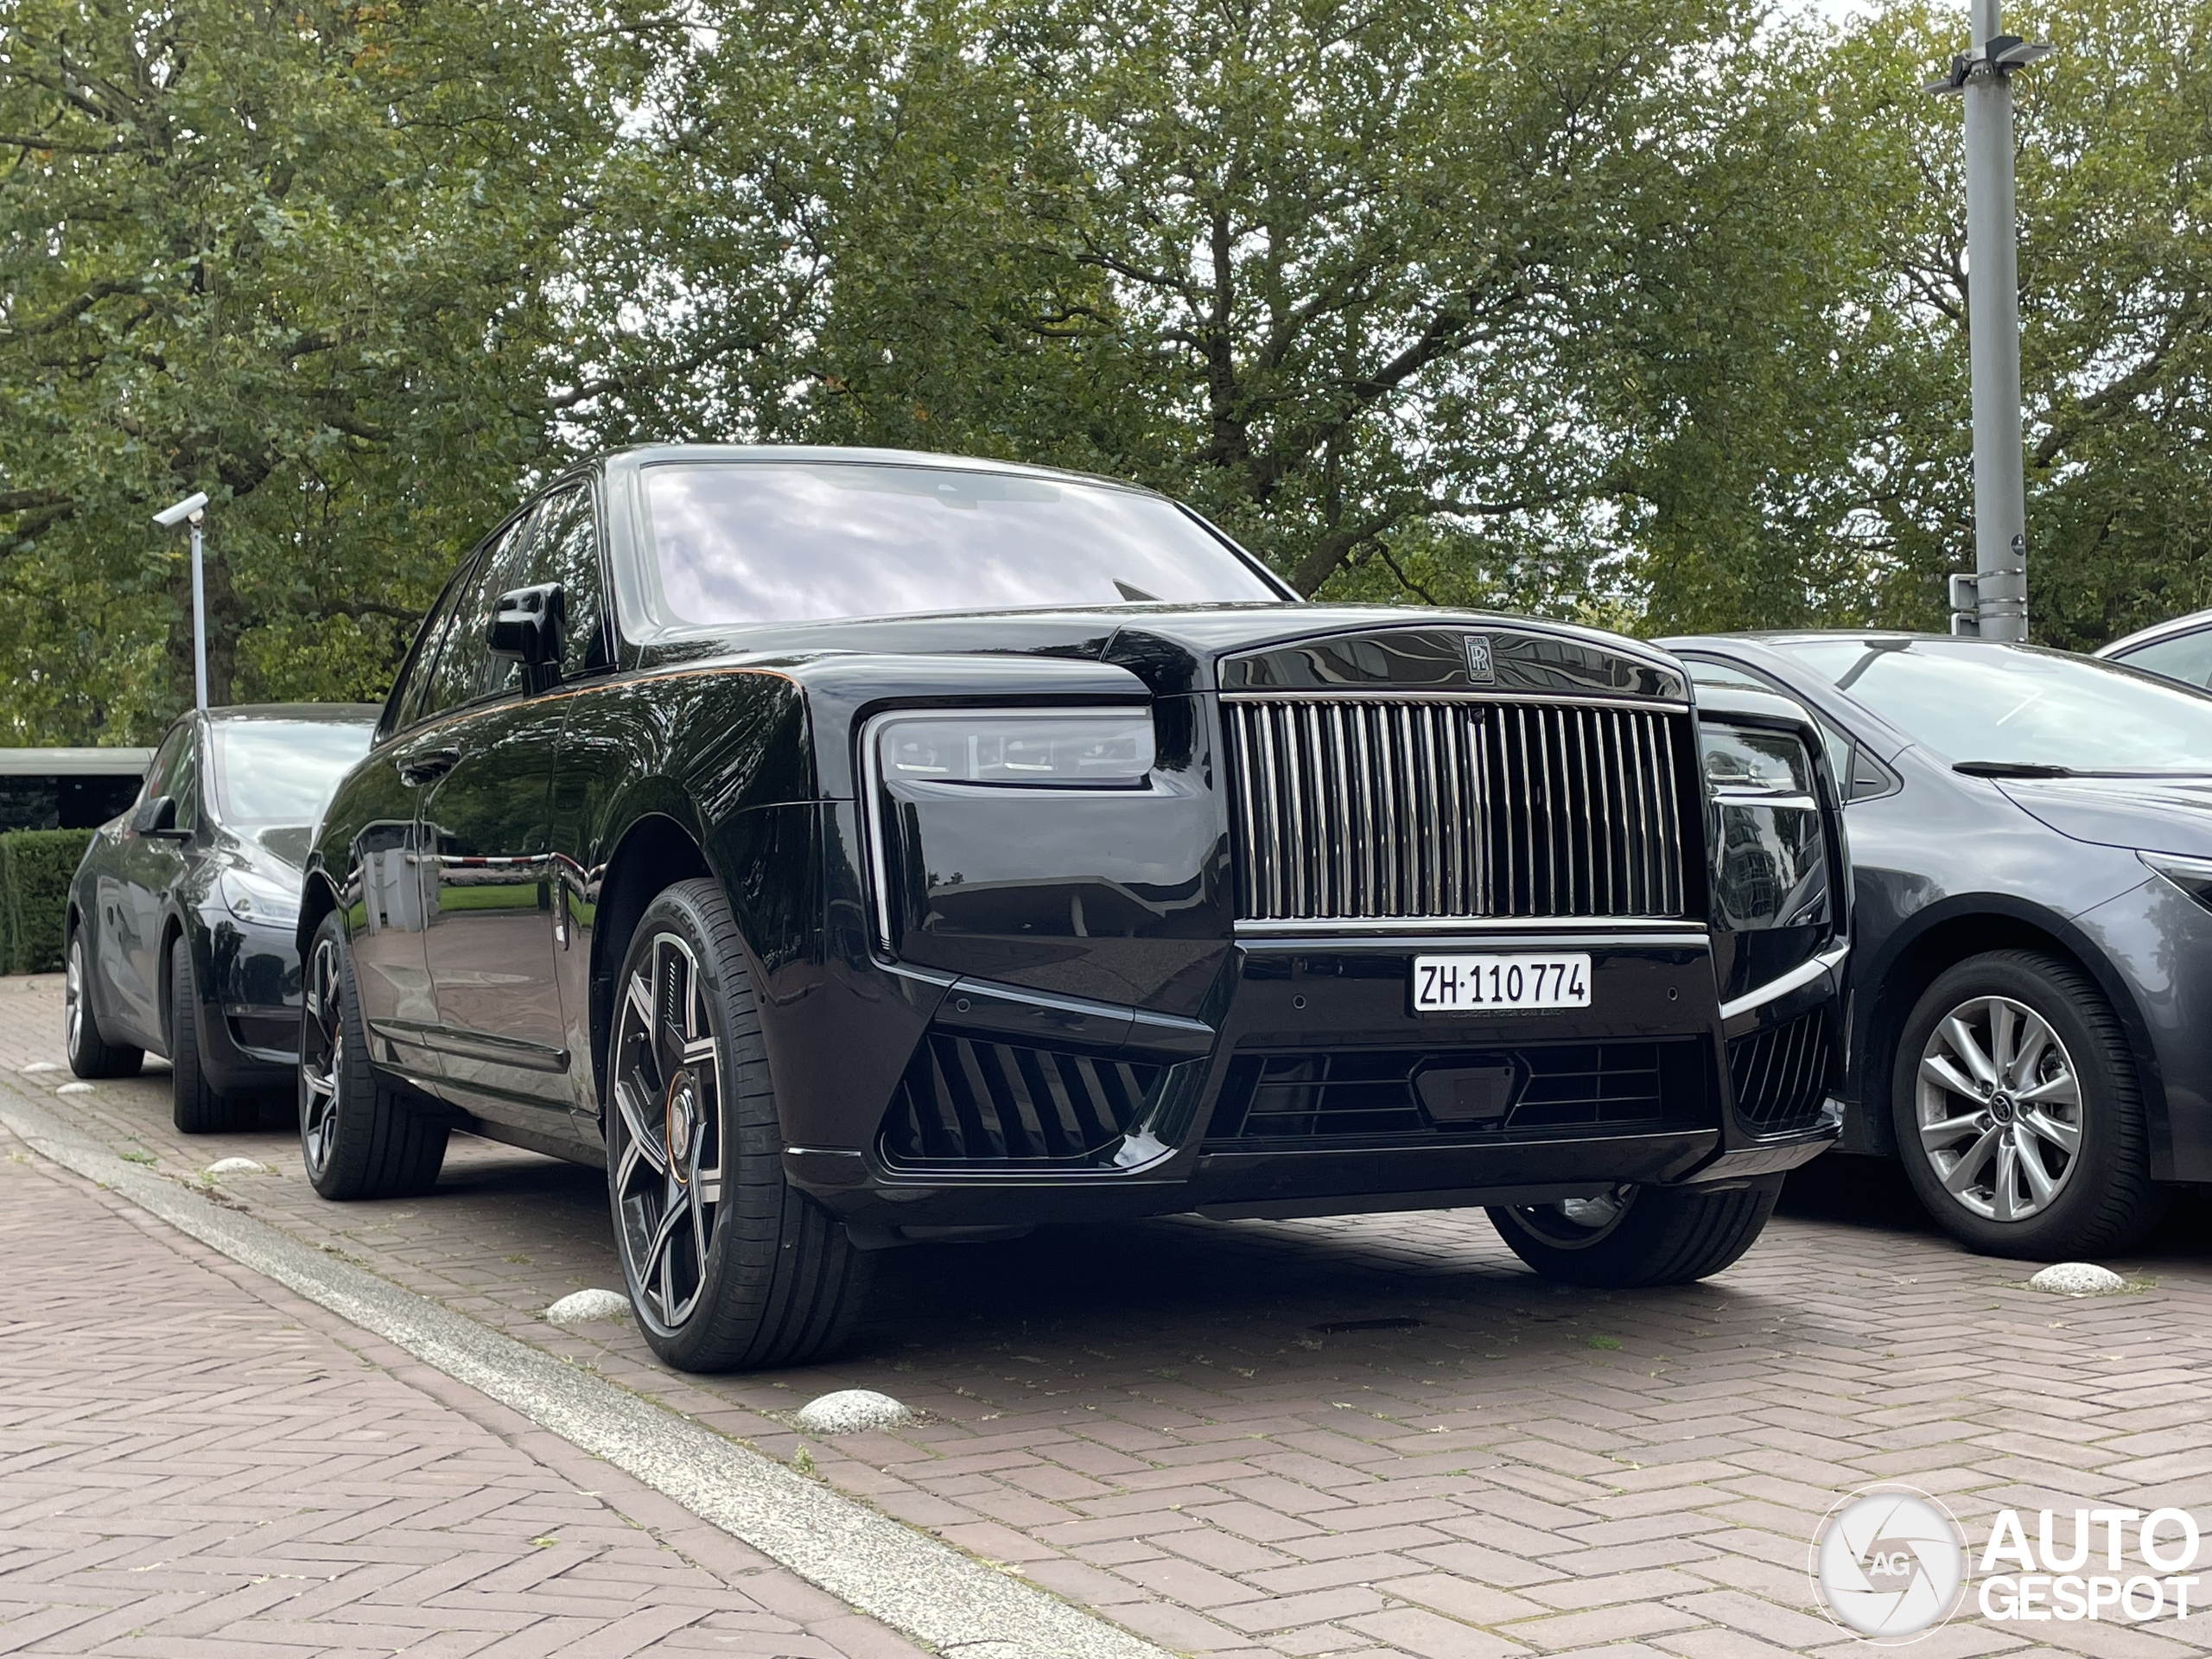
(924, 1589)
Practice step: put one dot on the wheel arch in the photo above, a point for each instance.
(654, 852)
(318, 898)
(1945, 935)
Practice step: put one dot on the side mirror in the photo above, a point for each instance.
(156, 817)
(526, 624)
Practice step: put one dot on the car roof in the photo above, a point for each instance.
(2172, 626)
(327, 714)
(645, 454)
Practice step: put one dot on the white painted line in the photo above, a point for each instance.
(921, 1587)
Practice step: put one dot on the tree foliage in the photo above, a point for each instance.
(1649, 311)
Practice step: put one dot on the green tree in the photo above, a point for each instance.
(307, 258)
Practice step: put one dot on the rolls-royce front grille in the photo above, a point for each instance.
(1782, 1074)
(968, 1102)
(1452, 807)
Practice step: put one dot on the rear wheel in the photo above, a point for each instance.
(91, 1055)
(1633, 1237)
(728, 1266)
(196, 1107)
(2018, 1113)
(361, 1136)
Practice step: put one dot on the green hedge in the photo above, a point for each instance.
(36, 866)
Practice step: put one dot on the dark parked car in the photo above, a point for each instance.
(2032, 976)
(2179, 648)
(847, 848)
(181, 915)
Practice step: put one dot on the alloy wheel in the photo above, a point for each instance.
(322, 1057)
(666, 1132)
(2000, 1108)
(72, 997)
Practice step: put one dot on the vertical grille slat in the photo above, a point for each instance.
(1375, 807)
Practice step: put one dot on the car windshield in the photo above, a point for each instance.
(2016, 705)
(748, 542)
(272, 772)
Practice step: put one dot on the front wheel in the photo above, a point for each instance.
(91, 1055)
(2019, 1115)
(196, 1106)
(728, 1266)
(361, 1136)
(1635, 1236)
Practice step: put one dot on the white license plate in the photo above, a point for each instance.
(1479, 984)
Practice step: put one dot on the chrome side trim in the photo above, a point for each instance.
(1802, 974)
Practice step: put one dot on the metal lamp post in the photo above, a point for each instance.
(1993, 602)
(194, 510)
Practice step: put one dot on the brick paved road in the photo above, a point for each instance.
(194, 1461)
(1158, 1420)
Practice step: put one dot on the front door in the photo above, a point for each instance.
(128, 929)
(484, 826)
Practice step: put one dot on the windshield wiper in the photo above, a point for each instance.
(2012, 769)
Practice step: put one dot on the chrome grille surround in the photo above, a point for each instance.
(1444, 806)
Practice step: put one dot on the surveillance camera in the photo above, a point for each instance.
(170, 518)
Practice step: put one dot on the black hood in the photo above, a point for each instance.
(1182, 648)
(2152, 815)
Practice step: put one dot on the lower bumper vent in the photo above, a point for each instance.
(973, 1103)
(1782, 1074)
(1394, 1095)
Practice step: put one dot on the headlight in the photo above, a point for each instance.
(254, 898)
(1770, 859)
(1025, 749)
(1739, 760)
(2192, 876)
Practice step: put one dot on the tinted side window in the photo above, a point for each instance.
(176, 773)
(161, 771)
(568, 552)
(465, 667)
(412, 691)
(2186, 656)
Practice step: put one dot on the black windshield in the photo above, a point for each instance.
(1976, 701)
(805, 540)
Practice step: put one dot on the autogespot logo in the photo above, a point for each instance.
(1889, 1564)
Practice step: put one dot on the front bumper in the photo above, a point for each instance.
(1310, 1087)
(249, 1004)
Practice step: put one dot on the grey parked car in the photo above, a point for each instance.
(2031, 1009)
(2180, 648)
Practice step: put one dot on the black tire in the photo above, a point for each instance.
(2102, 1198)
(728, 1265)
(1655, 1235)
(91, 1054)
(361, 1135)
(195, 1105)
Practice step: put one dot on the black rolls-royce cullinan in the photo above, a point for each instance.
(850, 847)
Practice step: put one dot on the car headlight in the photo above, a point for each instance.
(252, 897)
(2192, 876)
(1040, 748)
(1769, 854)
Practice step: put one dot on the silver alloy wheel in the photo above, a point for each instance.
(665, 1138)
(322, 1056)
(1571, 1224)
(2000, 1108)
(72, 996)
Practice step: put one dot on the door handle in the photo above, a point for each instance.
(428, 767)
